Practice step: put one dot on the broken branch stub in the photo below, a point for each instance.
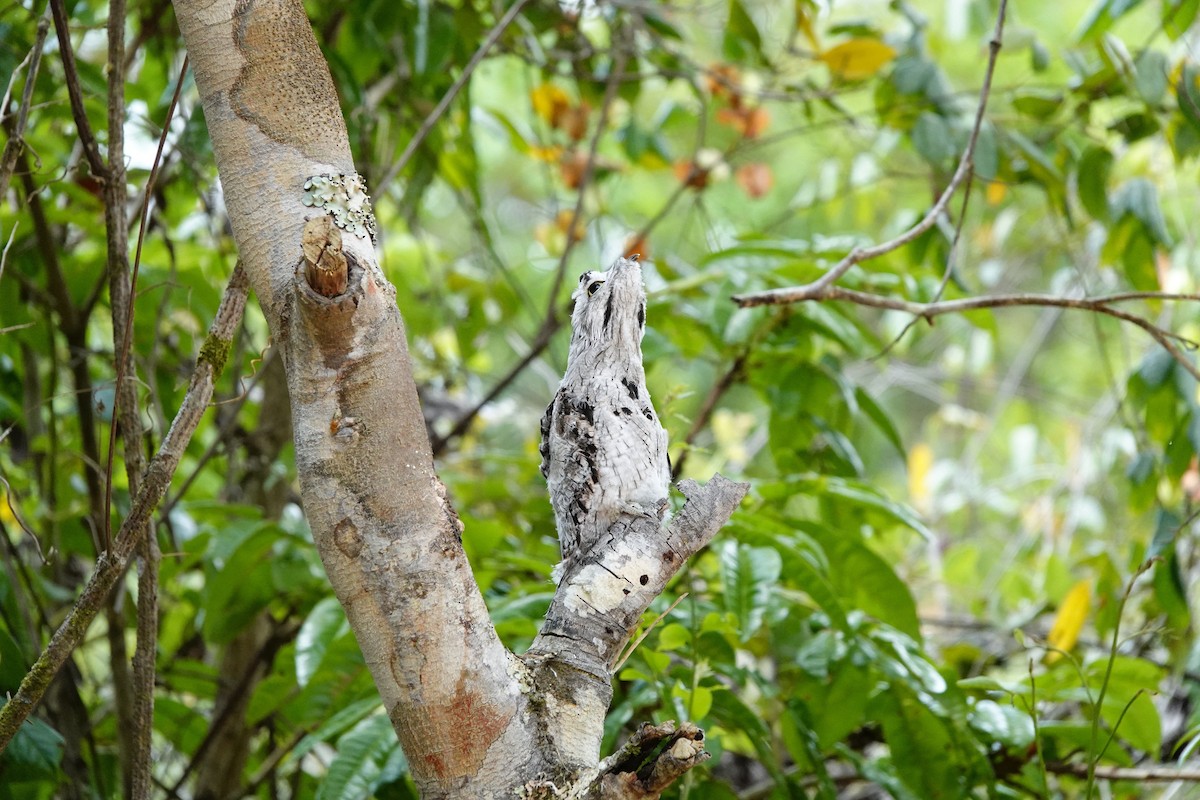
(325, 266)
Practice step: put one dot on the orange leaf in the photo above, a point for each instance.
(574, 121)
(749, 122)
(572, 167)
(723, 80)
(639, 246)
(757, 120)
(755, 179)
(857, 58)
(691, 174)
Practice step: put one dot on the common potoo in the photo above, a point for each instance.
(603, 450)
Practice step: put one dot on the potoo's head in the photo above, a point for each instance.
(610, 306)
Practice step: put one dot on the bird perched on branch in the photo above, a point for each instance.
(604, 452)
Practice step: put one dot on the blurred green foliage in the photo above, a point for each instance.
(888, 604)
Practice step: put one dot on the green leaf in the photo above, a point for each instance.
(238, 588)
(324, 623)
(835, 706)
(12, 662)
(1095, 165)
(732, 713)
(1039, 56)
(986, 683)
(345, 717)
(932, 138)
(1040, 166)
(696, 701)
(1063, 739)
(864, 580)
(742, 40)
(34, 753)
(1136, 722)
(1156, 368)
(1136, 126)
(923, 751)
(749, 575)
(1102, 16)
(865, 496)
(673, 637)
(367, 756)
(1002, 723)
(1037, 103)
(1127, 700)
(1150, 78)
(802, 743)
(1166, 525)
(1187, 94)
(986, 158)
(1170, 591)
(882, 421)
(1178, 16)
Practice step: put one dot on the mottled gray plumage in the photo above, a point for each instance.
(603, 450)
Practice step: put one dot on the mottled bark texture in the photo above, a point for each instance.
(473, 719)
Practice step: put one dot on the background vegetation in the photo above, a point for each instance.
(965, 567)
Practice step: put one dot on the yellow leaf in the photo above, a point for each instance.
(804, 24)
(1072, 613)
(551, 154)
(857, 58)
(920, 460)
(549, 102)
(996, 192)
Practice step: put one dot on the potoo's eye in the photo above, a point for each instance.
(594, 287)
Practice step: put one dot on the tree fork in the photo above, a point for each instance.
(473, 719)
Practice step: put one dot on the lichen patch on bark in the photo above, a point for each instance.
(595, 589)
(284, 87)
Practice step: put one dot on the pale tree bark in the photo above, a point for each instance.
(473, 719)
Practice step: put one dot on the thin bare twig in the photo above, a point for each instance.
(642, 637)
(91, 150)
(859, 255)
(440, 109)
(947, 272)
(127, 338)
(16, 141)
(1100, 305)
(12, 234)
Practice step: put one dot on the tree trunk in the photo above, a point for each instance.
(473, 719)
